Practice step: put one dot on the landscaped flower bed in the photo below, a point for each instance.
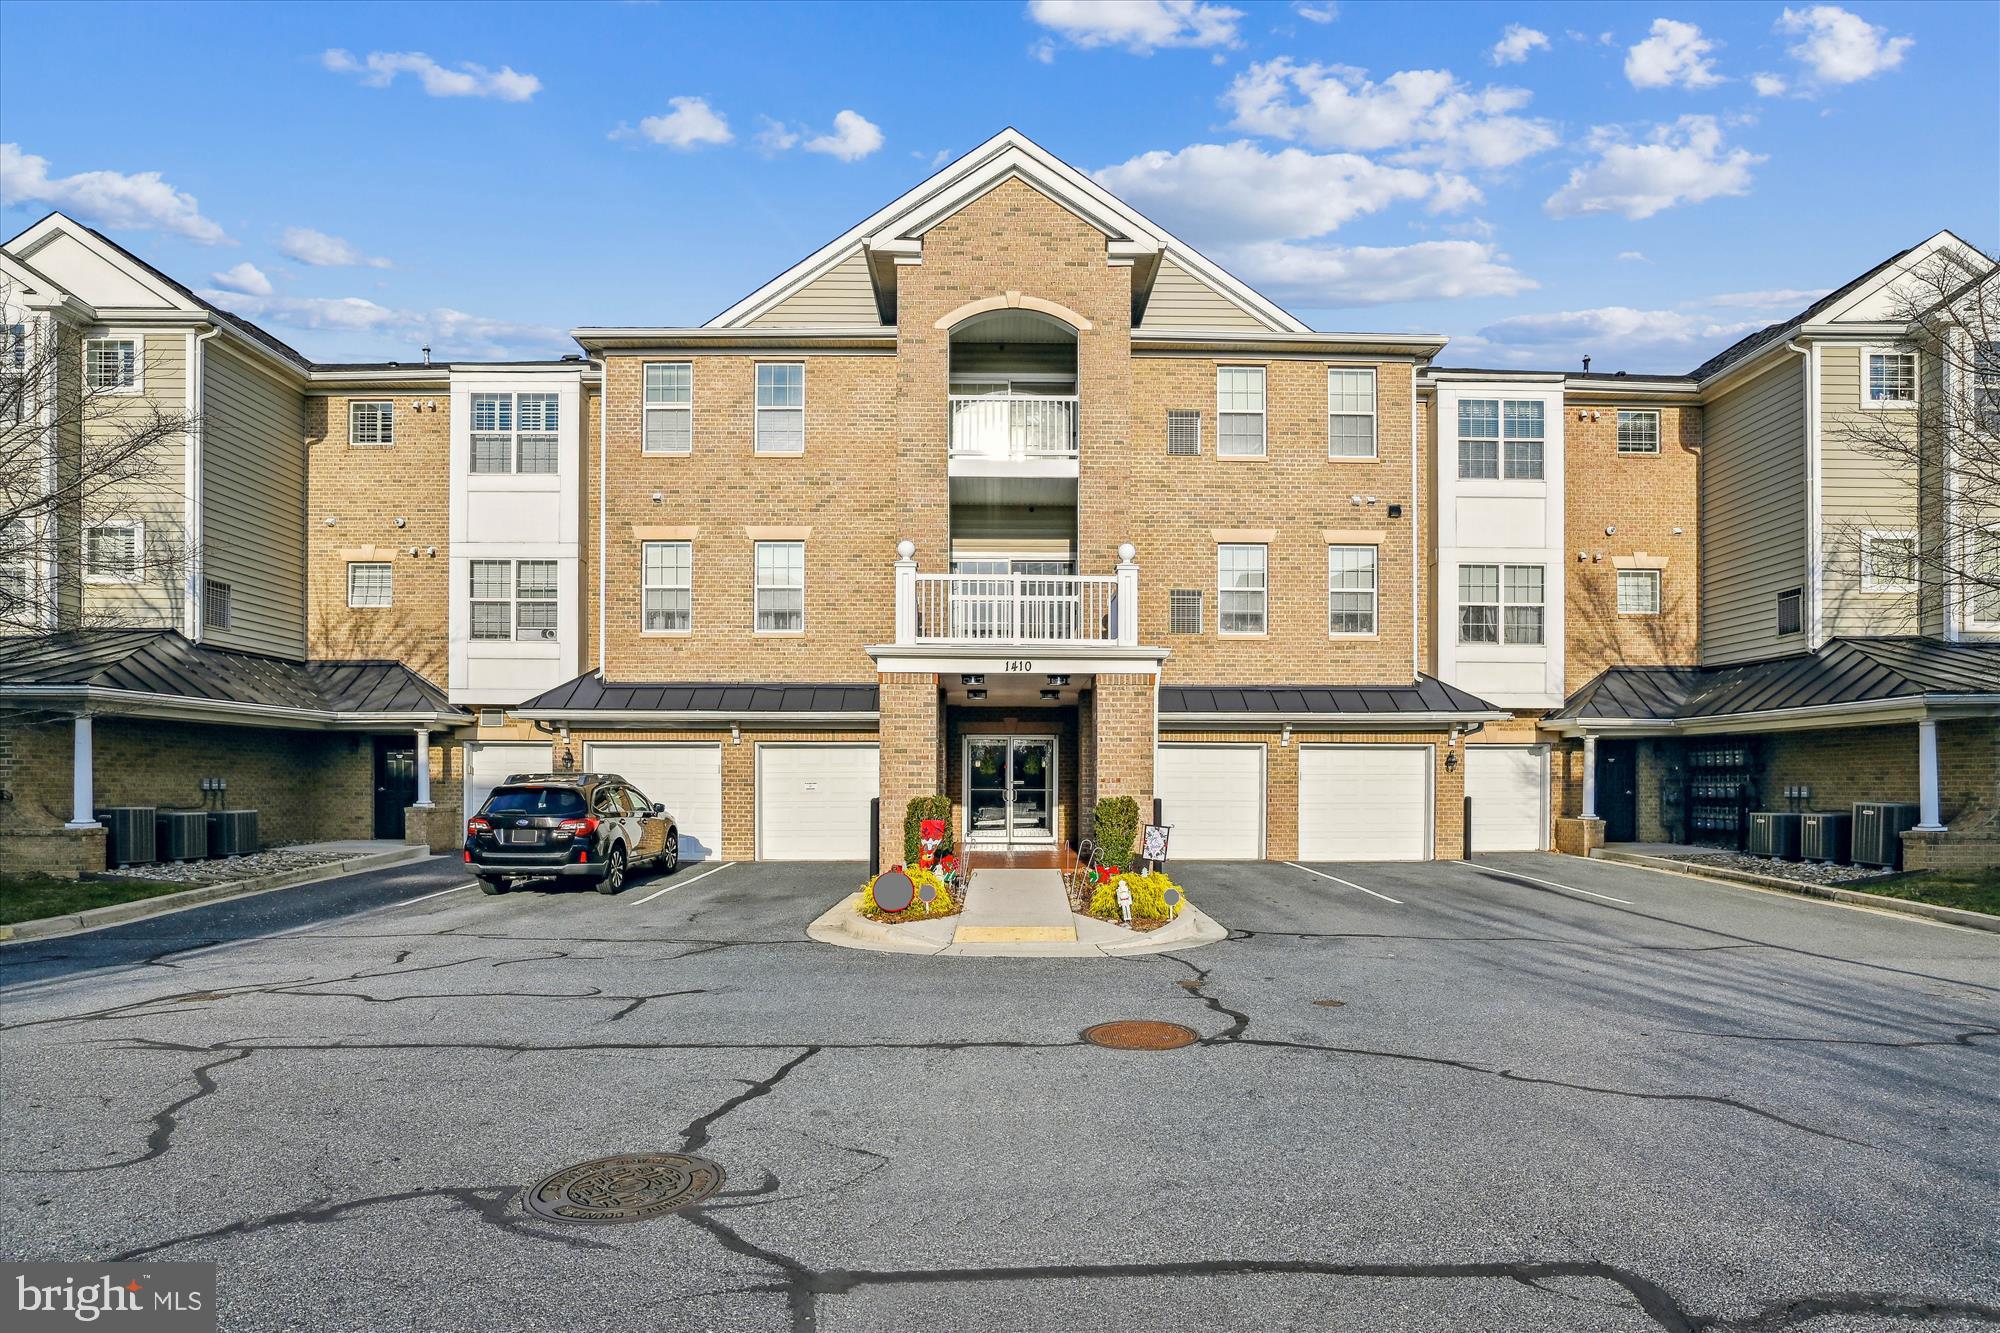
(1150, 909)
(945, 903)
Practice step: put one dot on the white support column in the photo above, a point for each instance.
(82, 801)
(423, 768)
(1128, 596)
(1590, 777)
(906, 592)
(1927, 777)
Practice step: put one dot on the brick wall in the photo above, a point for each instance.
(910, 725)
(1122, 714)
(1851, 764)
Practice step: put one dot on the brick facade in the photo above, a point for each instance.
(911, 755)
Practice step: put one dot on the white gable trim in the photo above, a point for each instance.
(56, 225)
(1973, 261)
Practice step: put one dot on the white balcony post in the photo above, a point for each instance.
(1590, 777)
(1927, 776)
(83, 784)
(906, 592)
(423, 768)
(1127, 627)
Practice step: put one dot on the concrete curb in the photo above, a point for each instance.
(843, 925)
(139, 909)
(1955, 916)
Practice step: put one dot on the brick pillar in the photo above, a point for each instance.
(911, 716)
(1123, 719)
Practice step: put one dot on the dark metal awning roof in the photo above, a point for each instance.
(160, 673)
(591, 697)
(1425, 699)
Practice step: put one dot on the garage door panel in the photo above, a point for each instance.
(490, 763)
(1212, 796)
(813, 801)
(1507, 785)
(684, 777)
(1364, 803)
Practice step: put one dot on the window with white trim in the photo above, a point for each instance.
(1183, 433)
(1889, 379)
(17, 559)
(666, 576)
(1500, 604)
(1184, 611)
(1791, 611)
(1239, 411)
(371, 423)
(1351, 577)
(1521, 449)
(372, 583)
(1350, 413)
(1983, 600)
(1638, 592)
(514, 432)
(1479, 439)
(112, 365)
(1638, 432)
(781, 407)
(781, 587)
(13, 374)
(1242, 588)
(668, 411)
(514, 599)
(214, 604)
(113, 552)
(1986, 386)
(1888, 561)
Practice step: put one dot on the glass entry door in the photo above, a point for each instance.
(1010, 789)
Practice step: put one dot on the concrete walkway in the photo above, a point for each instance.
(1015, 907)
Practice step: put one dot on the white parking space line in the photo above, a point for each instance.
(1348, 882)
(456, 888)
(681, 884)
(1566, 888)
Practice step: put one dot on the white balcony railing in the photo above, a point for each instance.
(1013, 427)
(1017, 608)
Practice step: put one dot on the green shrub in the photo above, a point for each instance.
(1115, 826)
(920, 809)
(1149, 900)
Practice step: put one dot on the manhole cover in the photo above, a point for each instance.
(630, 1188)
(1139, 1034)
(1329, 1004)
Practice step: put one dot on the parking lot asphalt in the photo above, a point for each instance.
(1529, 1091)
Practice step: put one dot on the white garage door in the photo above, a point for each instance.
(812, 801)
(686, 778)
(1213, 798)
(1506, 784)
(1364, 803)
(490, 763)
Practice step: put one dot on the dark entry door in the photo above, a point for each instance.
(395, 784)
(1618, 789)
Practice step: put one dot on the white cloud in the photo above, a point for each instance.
(1516, 43)
(324, 251)
(1356, 275)
(1839, 47)
(1139, 26)
(1043, 50)
(1633, 257)
(449, 332)
(1768, 85)
(854, 137)
(138, 202)
(691, 124)
(1477, 228)
(1453, 193)
(1321, 13)
(1681, 163)
(1427, 113)
(1618, 337)
(378, 69)
(246, 277)
(1676, 54)
(774, 136)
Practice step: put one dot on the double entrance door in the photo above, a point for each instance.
(1010, 790)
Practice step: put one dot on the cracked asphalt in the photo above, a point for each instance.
(1552, 1094)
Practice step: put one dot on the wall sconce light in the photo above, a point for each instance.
(658, 497)
(975, 695)
(431, 551)
(974, 679)
(736, 733)
(1052, 696)
(329, 521)
(1677, 532)
(402, 523)
(413, 550)
(1286, 737)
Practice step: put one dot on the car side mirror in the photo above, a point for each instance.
(659, 808)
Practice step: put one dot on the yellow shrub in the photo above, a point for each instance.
(939, 906)
(1148, 897)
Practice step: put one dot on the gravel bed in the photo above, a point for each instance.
(227, 868)
(1802, 872)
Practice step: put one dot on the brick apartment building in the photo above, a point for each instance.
(1004, 493)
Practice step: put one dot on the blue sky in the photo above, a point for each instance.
(1642, 182)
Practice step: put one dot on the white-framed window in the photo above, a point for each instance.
(514, 432)
(514, 599)
(1521, 450)
(113, 552)
(113, 365)
(781, 587)
(1351, 578)
(666, 576)
(371, 583)
(1350, 412)
(1986, 386)
(1500, 604)
(17, 559)
(668, 411)
(1888, 377)
(1183, 433)
(781, 407)
(1888, 560)
(371, 423)
(1638, 592)
(1239, 411)
(1983, 564)
(13, 374)
(1479, 439)
(1184, 611)
(214, 604)
(1242, 577)
(1638, 431)
(1792, 611)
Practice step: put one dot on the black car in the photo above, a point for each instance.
(592, 826)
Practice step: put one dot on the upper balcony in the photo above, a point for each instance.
(1041, 610)
(1013, 427)
(1014, 411)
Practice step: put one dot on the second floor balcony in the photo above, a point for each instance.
(1013, 428)
(1026, 609)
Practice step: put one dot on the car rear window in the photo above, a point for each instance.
(560, 801)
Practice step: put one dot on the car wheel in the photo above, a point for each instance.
(492, 884)
(670, 855)
(614, 872)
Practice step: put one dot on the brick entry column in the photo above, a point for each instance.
(910, 721)
(1125, 726)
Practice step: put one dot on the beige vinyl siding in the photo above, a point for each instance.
(158, 499)
(1753, 514)
(842, 295)
(253, 502)
(1180, 300)
(1930, 492)
(1858, 490)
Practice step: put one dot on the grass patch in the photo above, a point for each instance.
(1969, 890)
(30, 897)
